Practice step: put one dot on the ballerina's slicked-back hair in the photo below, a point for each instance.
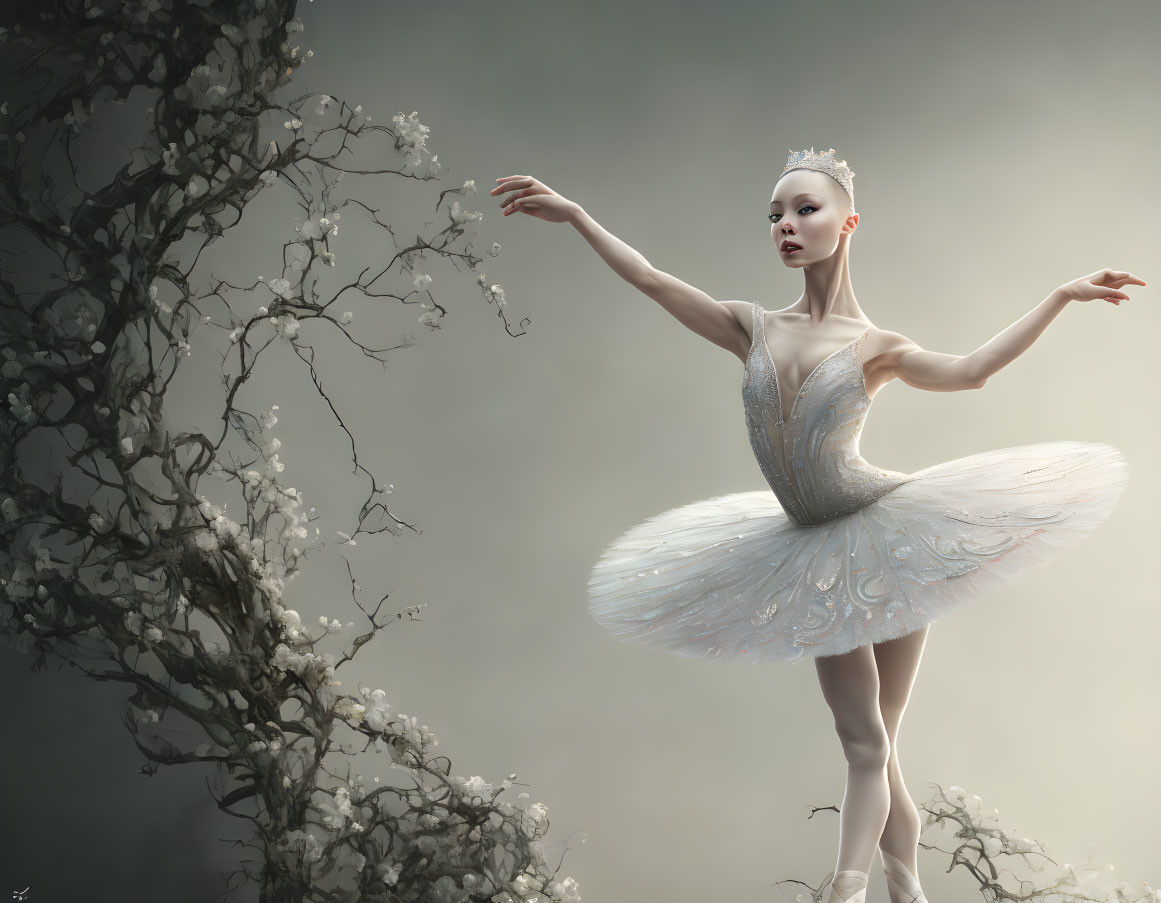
(825, 163)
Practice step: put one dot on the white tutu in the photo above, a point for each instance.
(733, 577)
(840, 553)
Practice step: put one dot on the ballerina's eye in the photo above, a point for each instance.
(772, 216)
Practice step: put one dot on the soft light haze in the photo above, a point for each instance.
(999, 150)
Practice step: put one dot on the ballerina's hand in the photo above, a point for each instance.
(534, 198)
(1101, 284)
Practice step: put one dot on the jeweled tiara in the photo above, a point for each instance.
(839, 171)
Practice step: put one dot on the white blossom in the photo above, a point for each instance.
(474, 788)
(21, 404)
(376, 712)
(280, 287)
(459, 215)
(10, 508)
(337, 814)
(389, 873)
(225, 528)
(197, 185)
(169, 159)
(348, 708)
(204, 86)
(286, 326)
(410, 132)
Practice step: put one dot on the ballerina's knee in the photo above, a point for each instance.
(868, 750)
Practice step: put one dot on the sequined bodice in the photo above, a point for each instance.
(811, 460)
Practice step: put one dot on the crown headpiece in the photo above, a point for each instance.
(825, 162)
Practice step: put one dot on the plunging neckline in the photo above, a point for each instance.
(782, 419)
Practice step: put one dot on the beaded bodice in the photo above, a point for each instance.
(811, 459)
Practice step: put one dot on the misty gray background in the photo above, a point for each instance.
(1000, 150)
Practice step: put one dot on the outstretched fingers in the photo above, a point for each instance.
(510, 182)
(1117, 278)
(1114, 280)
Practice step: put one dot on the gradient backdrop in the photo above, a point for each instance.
(1000, 149)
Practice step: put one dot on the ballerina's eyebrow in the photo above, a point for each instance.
(805, 194)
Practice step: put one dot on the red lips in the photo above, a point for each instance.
(789, 245)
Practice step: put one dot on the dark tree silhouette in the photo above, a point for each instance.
(112, 559)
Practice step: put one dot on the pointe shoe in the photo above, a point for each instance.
(903, 884)
(846, 881)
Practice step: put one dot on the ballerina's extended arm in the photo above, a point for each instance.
(718, 321)
(949, 372)
(721, 321)
(693, 308)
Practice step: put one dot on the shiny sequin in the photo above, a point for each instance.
(811, 460)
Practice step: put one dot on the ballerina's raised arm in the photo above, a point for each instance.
(721, 322)
(946, 373)
(725, 323)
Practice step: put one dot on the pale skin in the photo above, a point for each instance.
(868, 688)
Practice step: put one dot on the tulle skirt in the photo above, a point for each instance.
(734, 578)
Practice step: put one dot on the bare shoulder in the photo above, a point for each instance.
(743, 312)
(881, 352)
(884, 343)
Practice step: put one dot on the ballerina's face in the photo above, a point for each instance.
(811, 210)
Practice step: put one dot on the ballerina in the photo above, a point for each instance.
(844, 562)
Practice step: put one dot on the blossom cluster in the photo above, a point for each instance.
(979, 838)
